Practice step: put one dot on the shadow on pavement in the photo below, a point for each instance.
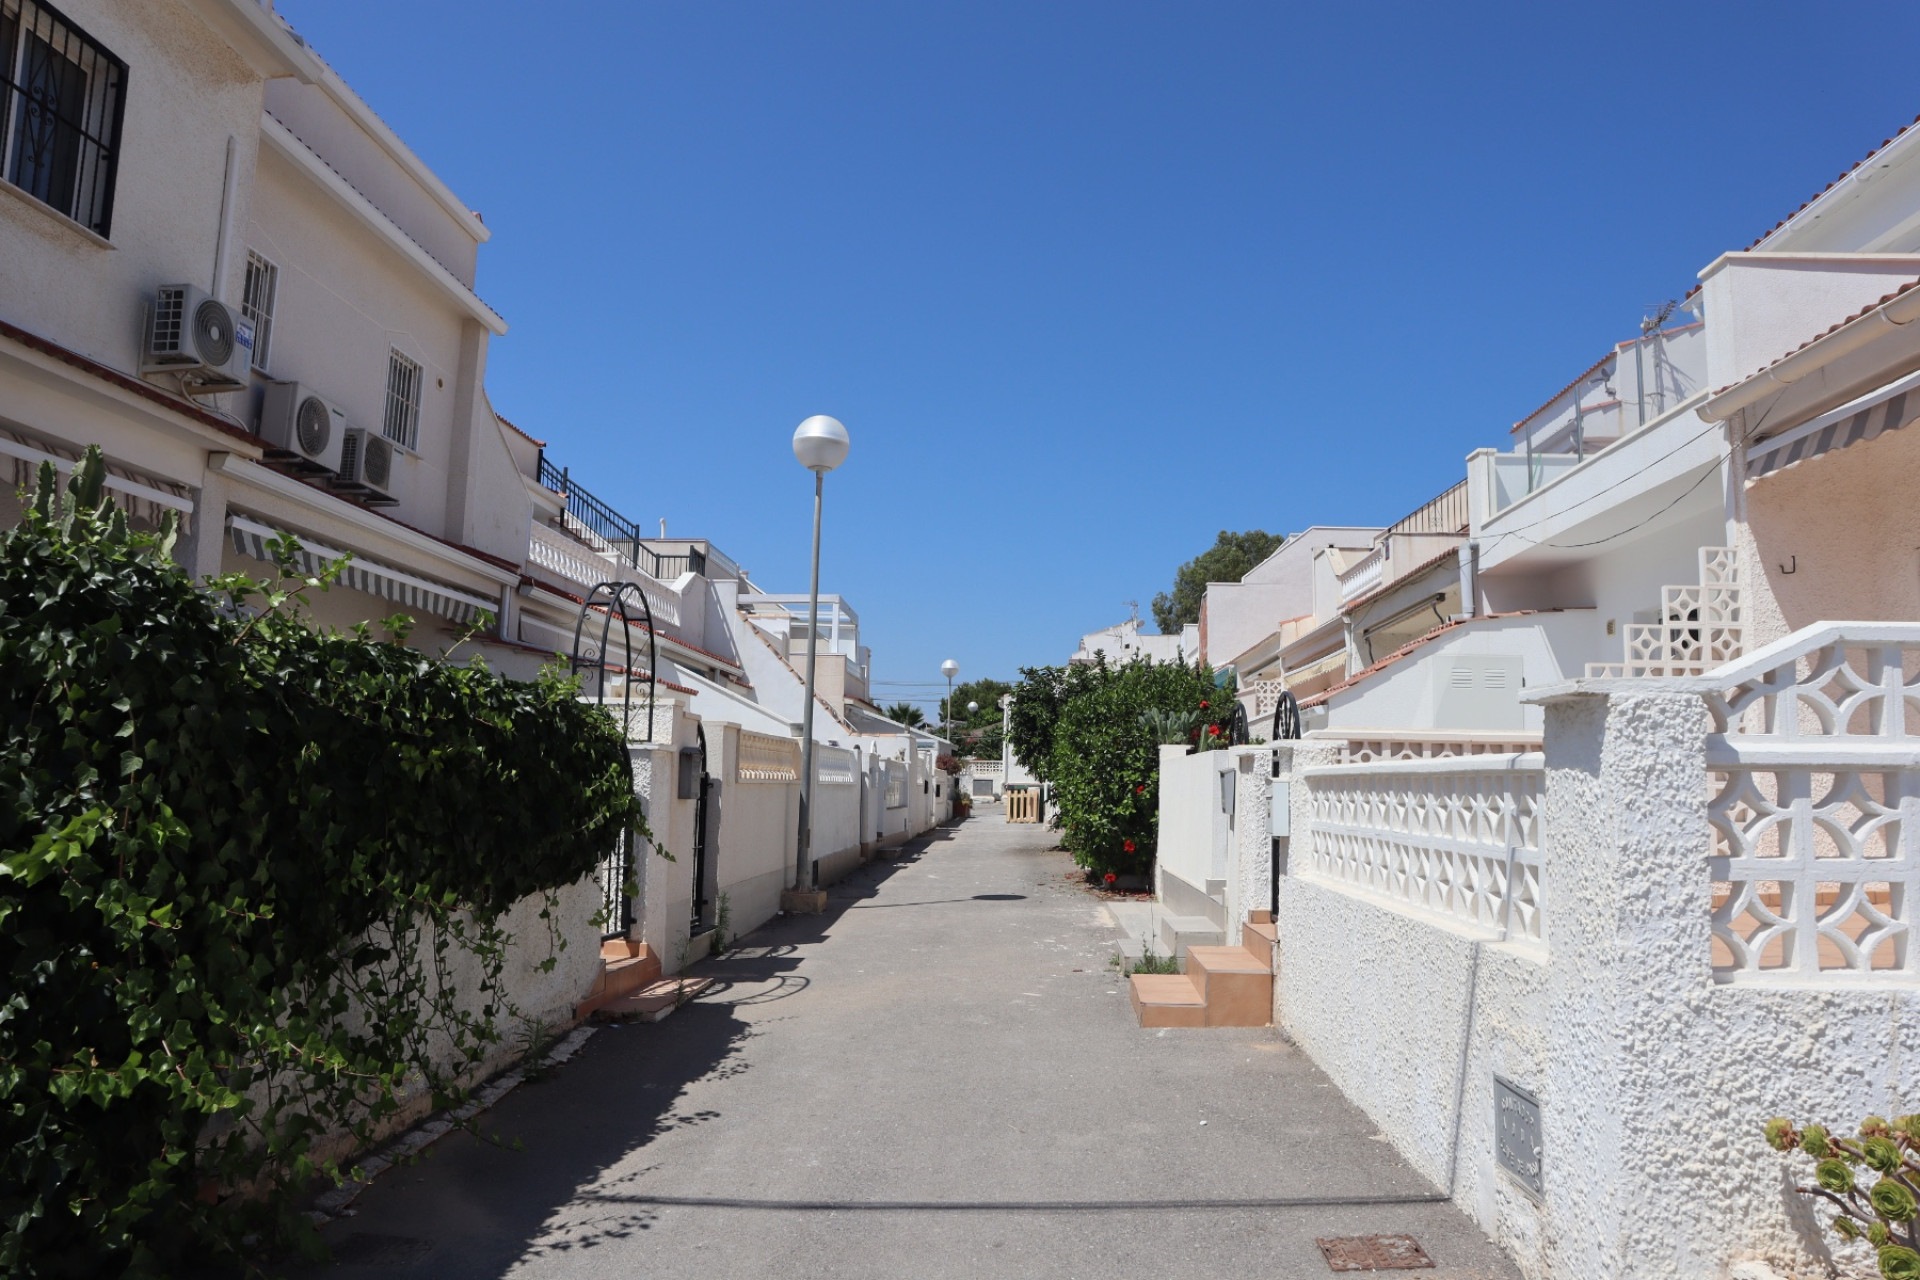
(476, 1206)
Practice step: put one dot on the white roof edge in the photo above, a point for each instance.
(289, 144)
(390, 142)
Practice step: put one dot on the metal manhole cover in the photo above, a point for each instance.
(1373, 1253)
(365, 1249)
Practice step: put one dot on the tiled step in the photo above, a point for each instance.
(1236, 986)
(625, 968)
(653, 1002)
(1167, 1000)
(1258, 936)
(1177, 933)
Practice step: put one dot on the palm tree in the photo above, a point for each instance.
(907, 714)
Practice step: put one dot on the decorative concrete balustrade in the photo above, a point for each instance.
(764, 758)
(1453, 833)
(583, 567)
(1813, 769)
(1702, 625)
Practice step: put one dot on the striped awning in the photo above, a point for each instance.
(250, 538)
(1890, 408)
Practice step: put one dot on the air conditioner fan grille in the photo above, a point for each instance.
(377, 467)
(313, 427)
(212, 333)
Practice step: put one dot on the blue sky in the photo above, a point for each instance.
(1088, 282)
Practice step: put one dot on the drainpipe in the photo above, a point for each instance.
(1470, 579)
(223, 243)
(1640, 373)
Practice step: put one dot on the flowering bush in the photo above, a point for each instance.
(1882, 1210)
(1104, 749)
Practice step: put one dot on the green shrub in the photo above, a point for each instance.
(239, 860)
(1105, 754)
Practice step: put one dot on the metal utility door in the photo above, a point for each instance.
(702, 841)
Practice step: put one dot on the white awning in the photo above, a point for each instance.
(1874, 414)
(250, 538)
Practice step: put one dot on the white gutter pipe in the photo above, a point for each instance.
(1877, 323)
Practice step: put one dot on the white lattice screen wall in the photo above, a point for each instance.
(1456, 836)
(1702, 625)
(1814, 775)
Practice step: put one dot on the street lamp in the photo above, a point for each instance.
(820, 443)
(949, 669)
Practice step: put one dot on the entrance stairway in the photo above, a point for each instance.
(1221, 987)
(629, 985)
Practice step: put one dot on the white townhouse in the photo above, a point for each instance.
(219, 265)
(1581, 884)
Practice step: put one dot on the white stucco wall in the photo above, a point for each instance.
(1192, 839)
(1654, 1079)
(1551, 646)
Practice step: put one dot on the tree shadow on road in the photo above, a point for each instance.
(535, 1186)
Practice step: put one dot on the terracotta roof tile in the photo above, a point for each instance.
(1836, 182)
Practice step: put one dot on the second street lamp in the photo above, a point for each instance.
(949, 669)
(820, 443)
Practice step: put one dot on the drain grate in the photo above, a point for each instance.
(1373, 1253)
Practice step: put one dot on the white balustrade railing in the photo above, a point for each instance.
(1455, 837)
(834, 766)
(586, 568)
(1363, 575)
(1814, 803)
(765, 758)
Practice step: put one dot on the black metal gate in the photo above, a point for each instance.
(702, 827)
(616, 888)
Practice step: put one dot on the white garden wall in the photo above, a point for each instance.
(1656, 1049)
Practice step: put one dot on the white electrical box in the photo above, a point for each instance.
(1280, 809)
(1478, 691)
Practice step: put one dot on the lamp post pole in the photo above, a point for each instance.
(949, 669)
(820, 443)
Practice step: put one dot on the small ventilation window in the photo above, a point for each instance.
(1496, 678)
(402, 423)
(1461, 677)
(256, 304)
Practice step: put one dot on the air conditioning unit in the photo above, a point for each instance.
(369, 467)
(304, 428)
(205, 342)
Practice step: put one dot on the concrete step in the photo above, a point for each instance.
(1258, 936)
(1177, 933)
(652, 1003)
(1235, 985)
(1260, 917)
(625, 967)
(1166, 1000)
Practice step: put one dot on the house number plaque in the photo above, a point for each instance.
(1516, 1135)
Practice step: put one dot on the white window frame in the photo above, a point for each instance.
(406, 388)
(258, 308)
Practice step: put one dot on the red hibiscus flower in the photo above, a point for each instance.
(1111, 877)
(1128, 846)
(1203, 706)
(1140, 790)
(1213, 731)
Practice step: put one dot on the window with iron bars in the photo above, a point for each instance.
(62, 96)
(402, 424)
(256, 304)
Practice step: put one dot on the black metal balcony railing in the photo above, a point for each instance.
(619, 533)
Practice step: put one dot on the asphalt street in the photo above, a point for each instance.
(939, 1077)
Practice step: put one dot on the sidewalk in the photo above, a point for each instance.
(939, 1077)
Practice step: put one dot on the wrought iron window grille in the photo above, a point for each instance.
(62, 104)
